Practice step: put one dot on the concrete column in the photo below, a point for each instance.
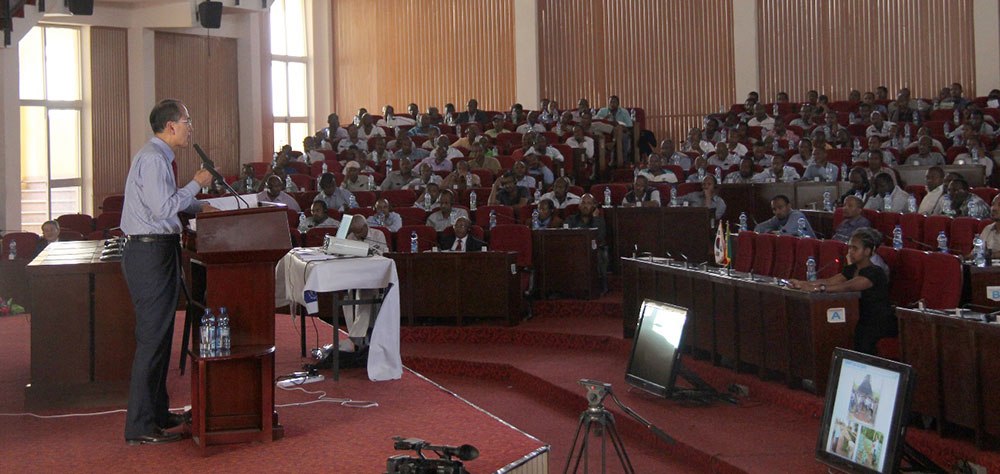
(141, 84)
(249, 65)
(986, 28)
(10, 142)
(321, 58)
(526, 53)
(746, 66)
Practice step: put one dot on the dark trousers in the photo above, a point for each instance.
(152, 274)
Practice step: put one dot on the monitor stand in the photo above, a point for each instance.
(917, 461)
(701, 392)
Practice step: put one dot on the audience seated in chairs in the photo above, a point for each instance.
(641, 194)
(275, 192)
(385, 217)
(506, 192)
(398, 179)
(548, 218)
(334, 196)
(786, 220)
(707, 197)
(353, 181)
(446, 216)
(560, 195)
(461, 240)
(965, 203)
(319, 218)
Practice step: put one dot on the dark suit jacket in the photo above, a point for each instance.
(479, 117)
(472, 244)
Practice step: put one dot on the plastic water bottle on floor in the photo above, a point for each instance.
(811, 269)
(225, 343)
(743, 221)
(607, 197)
(979, 251)
(207, 334)
(911, 203)
(414, 242)
(897, 238)
(12, 247)
(942, 242)
(472, 200)
(493, 218)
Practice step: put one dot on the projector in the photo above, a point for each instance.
(352, 248)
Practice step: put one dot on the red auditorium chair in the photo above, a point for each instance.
(24, 245)
(506, 162)
(70, 235)
(474, 230)
(400, 197)
(784, 256)
(299, 167)
(293, 218)
(942, 285)
(314, 236)
(365, 198)
(427, 238)
(891, 258)
(332, 166)
(389, 241)
(82, 223)
(364, 211)
(830, 250)
(505, 215)
(909, 277)
(329, 155)
(515, 238)
(523, 214)
(108, 220)
(412, 215)
(305, 199)
(885, 223)
(618, 192)
(744, 251)
(485, 178)
(986, 193)
(622, 175)
(962, 231)
(912, 225)
(506, 142)
(482, 196)
(934, 225)
(838, 217)
(918, 191)
(804, 248)
(113, 203)
(303, 181)
(260, 169)
(871, 215)
(684, 188)
(763, 253)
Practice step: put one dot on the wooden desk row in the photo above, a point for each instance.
(752, 325)
(956, 361)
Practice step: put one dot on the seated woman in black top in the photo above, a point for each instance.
(876, 319)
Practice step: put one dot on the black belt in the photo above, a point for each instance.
(151, 238)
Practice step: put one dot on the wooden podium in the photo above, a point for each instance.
(233, 255)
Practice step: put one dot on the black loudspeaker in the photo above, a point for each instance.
(80, 7)
(210, 14)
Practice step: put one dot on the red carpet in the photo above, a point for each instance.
(318, 437)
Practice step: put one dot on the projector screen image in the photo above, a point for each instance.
(657, 340)
(862, 421)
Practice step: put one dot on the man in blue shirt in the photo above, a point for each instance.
(150, 264)
(785, 220)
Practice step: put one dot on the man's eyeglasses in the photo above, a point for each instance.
(188, 121)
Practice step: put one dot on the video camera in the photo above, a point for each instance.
(402, 464)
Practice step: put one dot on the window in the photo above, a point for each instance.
(289, 66)
(51, 103)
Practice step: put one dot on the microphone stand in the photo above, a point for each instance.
(210, 166)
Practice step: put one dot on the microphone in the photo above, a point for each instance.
(210, 166)
(465, 452)
(824, 267)
(933, 248)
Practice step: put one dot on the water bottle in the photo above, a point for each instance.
(535, 223)
(351, 201)
(957, 117)
(468, 180)
(701, 174)
(207, 347)
(725, 134)
(718, 174)
(388, 166)
(673, 197)
(427, 200)
(325, 167)
(857, 143)
(843, 172)
(493, 218)
(916, 118)
(472, 200)
(979, 251)
(895, 142)
(225, 342)
(942, 242)
(288, 182)
(774, 145)
(946, 205)
(911, 204)
(827, 201)
(413, 242)
(947, 128)
(975, 155)
(607, 197)
(852, 118)
(743, 221)
(302, 219)
(774, 109)
(897, 238)
(538, 196)
(249, 183)
(906, 130)
(887, 202)
(802, 227)
(13, 250)
(811, 269)
(371, 183)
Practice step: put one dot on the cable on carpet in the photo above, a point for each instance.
(70, 415)
(322, 398)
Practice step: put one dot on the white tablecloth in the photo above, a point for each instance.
(303, 270)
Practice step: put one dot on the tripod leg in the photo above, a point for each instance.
(584, 448)
(572, 447)
(619, 445)
(604, 445)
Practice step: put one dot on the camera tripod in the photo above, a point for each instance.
(599, 420)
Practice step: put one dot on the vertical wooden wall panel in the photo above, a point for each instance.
(401, 51)
(674, 59)
(110, 111)
(834, 46)
(203, 73)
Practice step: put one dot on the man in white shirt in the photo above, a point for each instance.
(426, 177)
(385, 217)
(977, 155)
(886, 189)
(925, 155)
(880, 127)
(352, 140)
(804, 156)
(722, 158)
(442, 141)
(391, 120)
(333, 130)
(934, 181)
(579, 140)
(319, 218)
(353, 181)
(695, 144)
(367, 129)
(446, 215)
(438, 161)
(275, 192)
(761, 119)
(541, 147)
(560, 195)
(778, 172)
(531, 124)
(521, 176)
(655, 172)
(670, 156)
(991, 233)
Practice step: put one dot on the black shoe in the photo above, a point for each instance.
(156, 437)
(176, 419)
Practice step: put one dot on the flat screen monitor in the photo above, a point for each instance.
(864, 413)
(656, 351)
